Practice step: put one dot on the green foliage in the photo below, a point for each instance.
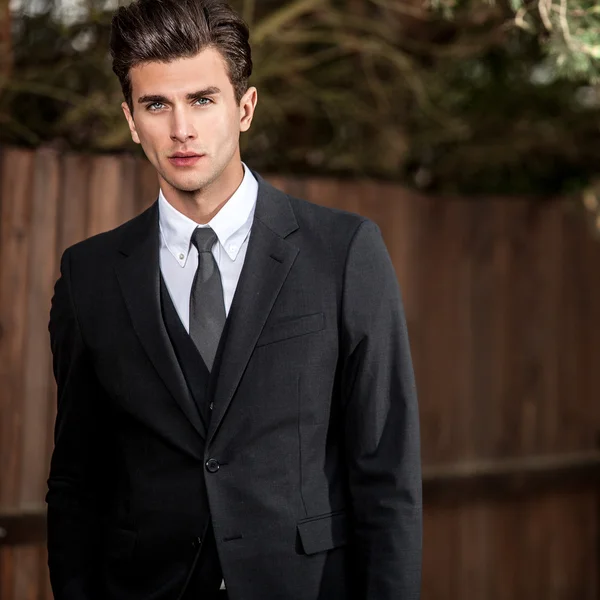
(465, 96)
(568, 29)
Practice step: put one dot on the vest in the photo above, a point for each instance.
(204, 578)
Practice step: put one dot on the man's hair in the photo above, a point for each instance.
(165, 30)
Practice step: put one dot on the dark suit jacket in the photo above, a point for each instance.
(310, 463)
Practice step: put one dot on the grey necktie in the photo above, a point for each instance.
(207, 307)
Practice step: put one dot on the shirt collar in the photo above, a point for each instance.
(232, 223)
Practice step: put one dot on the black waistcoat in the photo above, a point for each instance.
(205, 574)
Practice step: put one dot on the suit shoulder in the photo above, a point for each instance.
(334, 221)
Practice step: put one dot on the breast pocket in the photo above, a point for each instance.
(291, 328)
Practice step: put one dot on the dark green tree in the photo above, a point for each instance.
(464, 96)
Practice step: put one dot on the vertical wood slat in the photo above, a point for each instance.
(146, 185)
(105, 201)
(73, 210)
(15, 218)
(35, 408)
(42, 269)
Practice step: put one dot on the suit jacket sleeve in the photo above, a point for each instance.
(381, 425)
(73, 485)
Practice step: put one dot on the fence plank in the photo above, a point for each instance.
(105, 200)
(146, 188)
(35, 408)
(15, 219)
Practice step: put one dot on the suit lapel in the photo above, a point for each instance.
(139, 278)
(268, 261)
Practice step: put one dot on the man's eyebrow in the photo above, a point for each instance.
(209, 91)
(152, 98)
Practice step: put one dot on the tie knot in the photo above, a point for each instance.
(204, 239)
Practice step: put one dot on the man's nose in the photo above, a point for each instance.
(182, 127)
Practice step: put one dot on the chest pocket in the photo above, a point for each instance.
(292, 327)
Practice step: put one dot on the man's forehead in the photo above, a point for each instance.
(181, 75)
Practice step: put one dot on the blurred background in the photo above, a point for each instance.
(470, 132)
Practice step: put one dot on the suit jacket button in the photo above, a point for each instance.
(212, 465)
(211, 405)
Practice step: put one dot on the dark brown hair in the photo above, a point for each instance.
(164, 30)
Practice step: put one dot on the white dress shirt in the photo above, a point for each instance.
(179, 258)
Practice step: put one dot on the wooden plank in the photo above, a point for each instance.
(36, 371)
(42, 269)
(146, 188)
(473, 236)
(472, 550)
(15, 219)
(530, 423)
(576, 424)
(541, 548)
(402, 243)
(73, 204)
(442, 350)
(23, 526)
(441, 576)
(324, 191)
(551, 256)
(127, 189)
(298, 187)
(7, 570)
(506, 479)
(104, 212)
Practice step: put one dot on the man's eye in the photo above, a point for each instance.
(204, 101)
(155, 106)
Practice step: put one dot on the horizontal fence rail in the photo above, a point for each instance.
(494, 480)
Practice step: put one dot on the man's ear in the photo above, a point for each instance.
(134, 135)
(247, 108)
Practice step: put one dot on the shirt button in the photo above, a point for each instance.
(212, 465)
(181, 256)
(233, 248)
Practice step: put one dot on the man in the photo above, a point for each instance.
(235, 392)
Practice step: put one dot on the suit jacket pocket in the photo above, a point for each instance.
(324, 532)
(119, 543)
(291, 328)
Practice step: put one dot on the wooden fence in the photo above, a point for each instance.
(503, 306)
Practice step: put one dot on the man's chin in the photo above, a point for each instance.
(187, 184)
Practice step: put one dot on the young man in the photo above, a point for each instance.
(235, 392)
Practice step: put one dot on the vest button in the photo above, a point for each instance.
(211, 405)
(212, 465)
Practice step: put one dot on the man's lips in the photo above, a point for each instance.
(184, 159)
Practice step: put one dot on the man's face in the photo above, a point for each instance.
(187, 119)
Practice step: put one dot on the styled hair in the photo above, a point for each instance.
(165, 30)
